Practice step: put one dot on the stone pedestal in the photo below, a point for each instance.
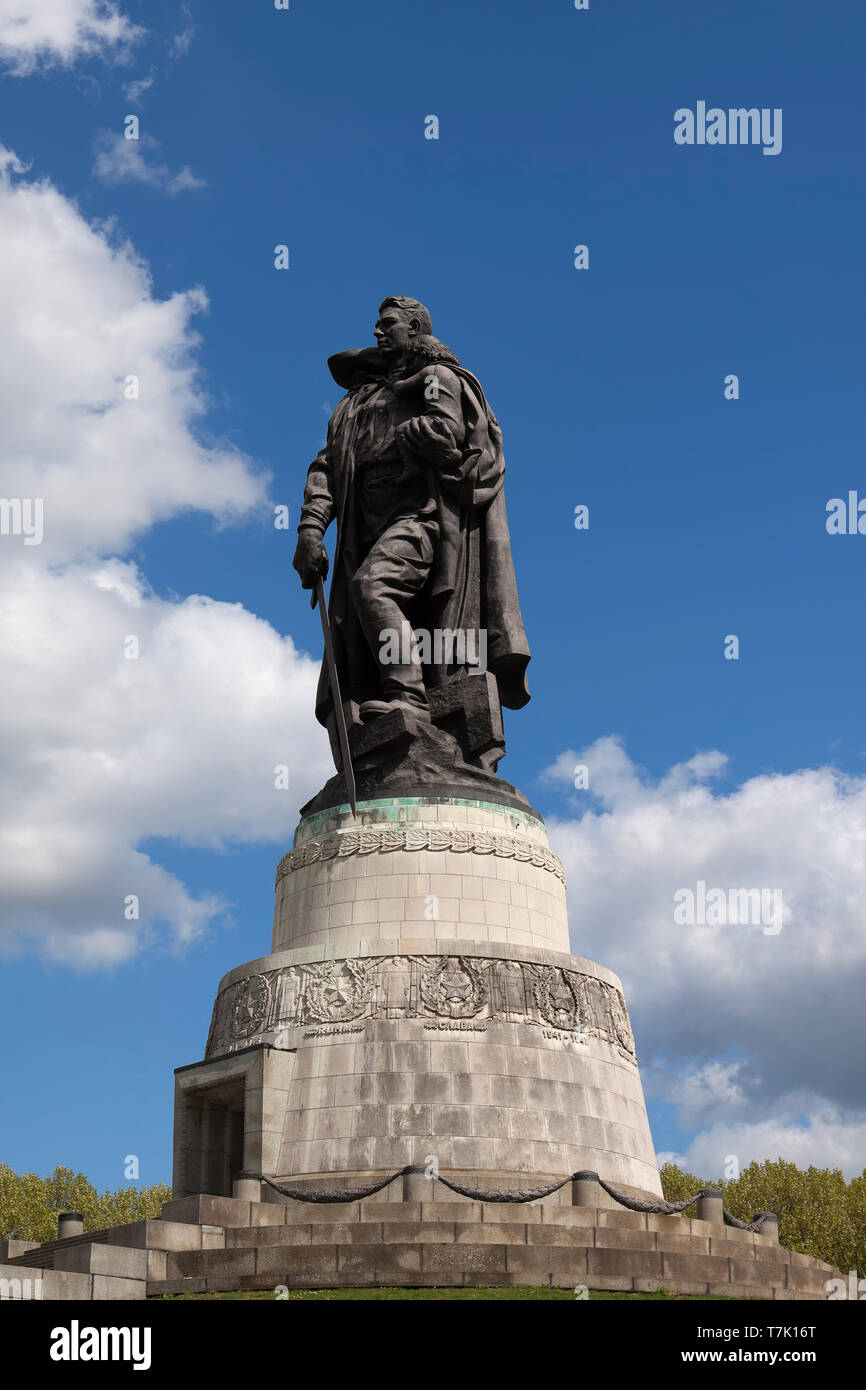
(419, 1006)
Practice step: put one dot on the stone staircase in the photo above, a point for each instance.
(214, 1244)
(119, 1263)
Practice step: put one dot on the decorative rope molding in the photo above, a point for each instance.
(529, 1194)
(357, 1194)
(675, 1208)
(386, 839)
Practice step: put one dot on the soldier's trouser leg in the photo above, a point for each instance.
(394, 572)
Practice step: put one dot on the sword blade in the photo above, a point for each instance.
(336, 698)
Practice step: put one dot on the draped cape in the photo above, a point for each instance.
(472, 584)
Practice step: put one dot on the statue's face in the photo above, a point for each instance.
(394, 332)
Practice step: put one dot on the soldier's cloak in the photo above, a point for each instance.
(472, 584)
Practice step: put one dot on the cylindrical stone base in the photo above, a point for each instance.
(421, 984)
(411, 868)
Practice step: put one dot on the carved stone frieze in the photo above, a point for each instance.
(387, 839)
(250, 1005)
(264, 1007)
(453, 987)
(338, 991)
(556, 996)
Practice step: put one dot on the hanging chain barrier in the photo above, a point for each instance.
(499, 1194)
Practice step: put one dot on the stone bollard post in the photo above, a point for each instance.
(247, 1188)
(711, 1206)
(770, 1227)
(70, 1223)
(417, 1187)
(585, 1191)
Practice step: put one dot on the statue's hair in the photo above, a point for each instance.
(412, 308)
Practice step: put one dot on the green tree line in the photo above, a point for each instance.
(819, 1212)
(30, 1205)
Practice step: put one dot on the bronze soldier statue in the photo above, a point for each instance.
(412, 471)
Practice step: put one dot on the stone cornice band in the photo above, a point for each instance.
(386, 839)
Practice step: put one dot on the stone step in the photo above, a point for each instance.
(204, 1209)
(114, 1260)
(27, 1283)
(267, 1216)
(396, 1232)
(433, 1229)
(157, 1234)
(16, 1249)
(449, 1254)
(42, 1256)
(120, 1260)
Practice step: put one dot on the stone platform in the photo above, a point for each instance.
(214, 1244)
(420, 1005)
(417, 1244)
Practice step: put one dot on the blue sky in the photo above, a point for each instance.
(707, 516)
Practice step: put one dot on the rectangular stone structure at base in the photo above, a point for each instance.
(229, 1118)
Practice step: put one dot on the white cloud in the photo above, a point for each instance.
(99, 754)
(119, 160)
(803, 1129)
(704, 1092)
(787, 1007)
(178, 46)
(136, 89)
(79, 318)
(180, 42)
(42, 33)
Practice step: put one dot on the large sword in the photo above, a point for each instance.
(318, 597)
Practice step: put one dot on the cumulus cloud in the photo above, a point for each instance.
(803, 1129)
(785, 1007)
(43, 33)
(704, 1092)
(118, 160)
(83, 334)
(125, 717)
(101, 754)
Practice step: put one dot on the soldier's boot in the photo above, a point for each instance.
(402, 687)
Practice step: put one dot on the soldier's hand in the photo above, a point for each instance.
(311, 558)
(431, 438)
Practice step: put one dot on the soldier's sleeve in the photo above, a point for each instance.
(437, 432)
(317, 512)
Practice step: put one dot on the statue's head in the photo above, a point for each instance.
(401, 323)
